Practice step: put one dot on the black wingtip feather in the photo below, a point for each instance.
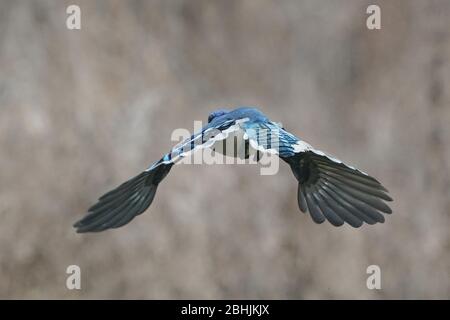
(301, 199)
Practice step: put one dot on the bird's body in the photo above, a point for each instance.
(327, 188)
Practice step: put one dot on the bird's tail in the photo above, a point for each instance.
(120, 205)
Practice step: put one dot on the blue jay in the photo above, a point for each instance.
(327, 188)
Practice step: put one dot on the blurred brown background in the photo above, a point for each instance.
(82, 111)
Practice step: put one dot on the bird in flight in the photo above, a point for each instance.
(327, 188)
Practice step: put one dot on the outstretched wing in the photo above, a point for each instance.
(328, 189)
(331, 190)
(120, 205)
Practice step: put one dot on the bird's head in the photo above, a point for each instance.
(216, 113)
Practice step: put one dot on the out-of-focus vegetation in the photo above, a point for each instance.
(82, 111)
